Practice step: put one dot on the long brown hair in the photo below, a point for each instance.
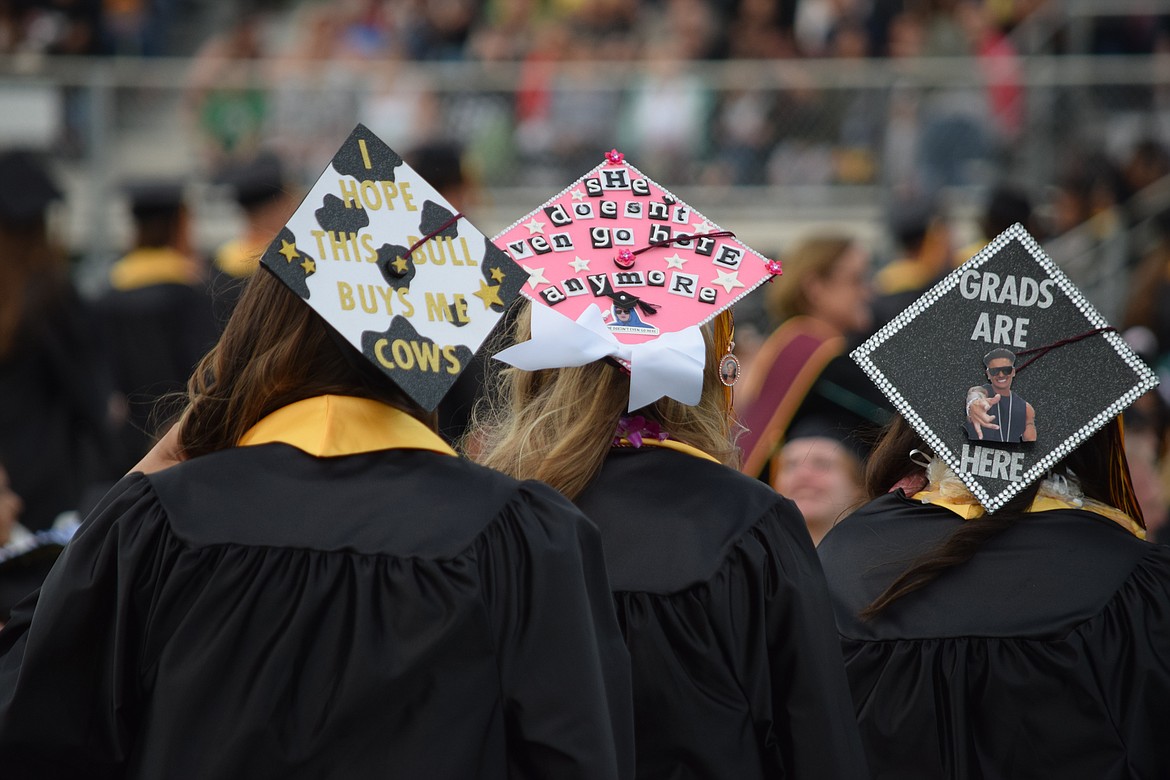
(1099, 464)
(33, 272)
(275, 350)
(556, 425)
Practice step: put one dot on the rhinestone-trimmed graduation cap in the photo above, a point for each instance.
(619, 267)
(1008, 335)
(390, 265)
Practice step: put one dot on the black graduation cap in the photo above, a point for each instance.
(626, 301)
(823, 427)
(26, 187)
(1007, 333)
(257, 180)
(154, 197)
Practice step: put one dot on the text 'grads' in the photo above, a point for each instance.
(1000, 612)
(620, 397)
(322, 588)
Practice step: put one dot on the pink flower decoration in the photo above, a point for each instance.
(637, 429)
(614, 157)
(774, 267)
(625, 259)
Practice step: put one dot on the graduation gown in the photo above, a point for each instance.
(1045, 655)
(342, 598)
(737, 672)
(157, 320)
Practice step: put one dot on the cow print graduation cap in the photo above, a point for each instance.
(393, 268)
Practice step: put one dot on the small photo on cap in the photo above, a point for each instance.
(1004, 367)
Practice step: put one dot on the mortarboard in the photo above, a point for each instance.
(257, 180)
(388, 263)
(621, 268)
(1010, 335)
(155, 197)
(26, 187)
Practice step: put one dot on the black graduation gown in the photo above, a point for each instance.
(260, 612)
(737, 671)
(55, 387)
(155, 335)
(1046, 655)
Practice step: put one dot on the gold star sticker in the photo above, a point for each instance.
(489, 294)
(309, 266)
(289, 250)
(400, 265)
(497, 274)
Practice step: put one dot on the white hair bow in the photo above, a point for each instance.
(670, 365)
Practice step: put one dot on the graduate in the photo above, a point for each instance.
(619, 396)
(322, 588)
(1000, 612)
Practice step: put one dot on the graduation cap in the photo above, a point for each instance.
(26, 187)
(621, 268)
(393, 268)
(1004, 368)
(154, 197)
(257, 180)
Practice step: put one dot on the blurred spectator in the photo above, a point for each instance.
(667, 111)
(315, 100)
(399, 104)
(1148, 301)
(803, 369)
(820, 469)
(157, 317)
(1004, 205)
(1086, 228)
(923, 243)
(55, 388)
(267, 198)
(25, 556)
(999, 64)
(227, 111)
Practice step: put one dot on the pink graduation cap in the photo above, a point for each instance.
(619, 267)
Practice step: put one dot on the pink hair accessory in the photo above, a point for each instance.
(636, 429)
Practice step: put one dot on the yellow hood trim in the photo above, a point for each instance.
(972, 509)
(147, 267)
(669, 444)
(333, 425)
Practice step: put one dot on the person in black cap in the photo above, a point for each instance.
(55, 386)
(157, 317)
(266, 199)
(1000, 611)
(820, 469)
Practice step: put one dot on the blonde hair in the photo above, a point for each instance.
(815, 257)
(557, 425)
